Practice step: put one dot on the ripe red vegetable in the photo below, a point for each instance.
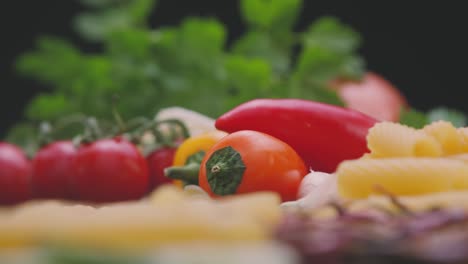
(109, 170)
(373, 95)
(15, 173)
(52, 165)
(323, 135)
(158, 160)
(250, 161)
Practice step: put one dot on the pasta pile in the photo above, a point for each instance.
(408, 161)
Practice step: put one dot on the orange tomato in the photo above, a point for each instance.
(249, 161)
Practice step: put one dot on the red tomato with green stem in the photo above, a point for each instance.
(15, 173)
(52, 165)
(109, 170)
(249, 161)
(373, 95)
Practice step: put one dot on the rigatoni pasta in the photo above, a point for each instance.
(400, 176)
(463, 134)
(408, 161)
(447, 135)
(387, 139)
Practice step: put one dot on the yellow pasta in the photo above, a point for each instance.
(387, 139)
(401, 176)
(447, 135)
(462, 157)
(463, 134)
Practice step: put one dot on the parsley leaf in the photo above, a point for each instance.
(258, 44)
(248, 79)
(318, 66)
(330, 33)
(413, 118)
(96, 25)
(273, 15)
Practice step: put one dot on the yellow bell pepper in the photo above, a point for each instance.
(192, 145)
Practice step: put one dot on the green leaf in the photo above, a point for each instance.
(196, 47)
(413, 118)
(256, 44)
(201, 41)
(457, 118)
(274, 15)
(54, 62)
(248, 79)
(133, 44)
(48, 106)
(330, 33)
(139, 10)
(318, 66)
(98, 25)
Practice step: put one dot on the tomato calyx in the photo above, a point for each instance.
(225, 170)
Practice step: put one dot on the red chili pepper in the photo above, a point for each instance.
(323, 135)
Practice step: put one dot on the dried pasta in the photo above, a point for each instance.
(387, 139)
(463, 134)
(462, 157)
(401, 176)
(447, 135)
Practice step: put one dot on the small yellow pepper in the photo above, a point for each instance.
(193, 145)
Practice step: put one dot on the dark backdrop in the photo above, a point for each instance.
(420, 47)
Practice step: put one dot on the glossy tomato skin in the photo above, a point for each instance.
(158, 160)
(52, 165)
(373, 95)
(271, 164)
(109, 170)
(15, 174)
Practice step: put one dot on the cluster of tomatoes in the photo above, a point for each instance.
(103, 170)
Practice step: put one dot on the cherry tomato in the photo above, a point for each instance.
(158, 160)
(15, 173)
(373, 96)
(249, 161)
(51, 168)
(109, 170)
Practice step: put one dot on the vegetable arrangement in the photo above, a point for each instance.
(243, 175)
(294, 150)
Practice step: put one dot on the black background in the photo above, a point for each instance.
(418, 46)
